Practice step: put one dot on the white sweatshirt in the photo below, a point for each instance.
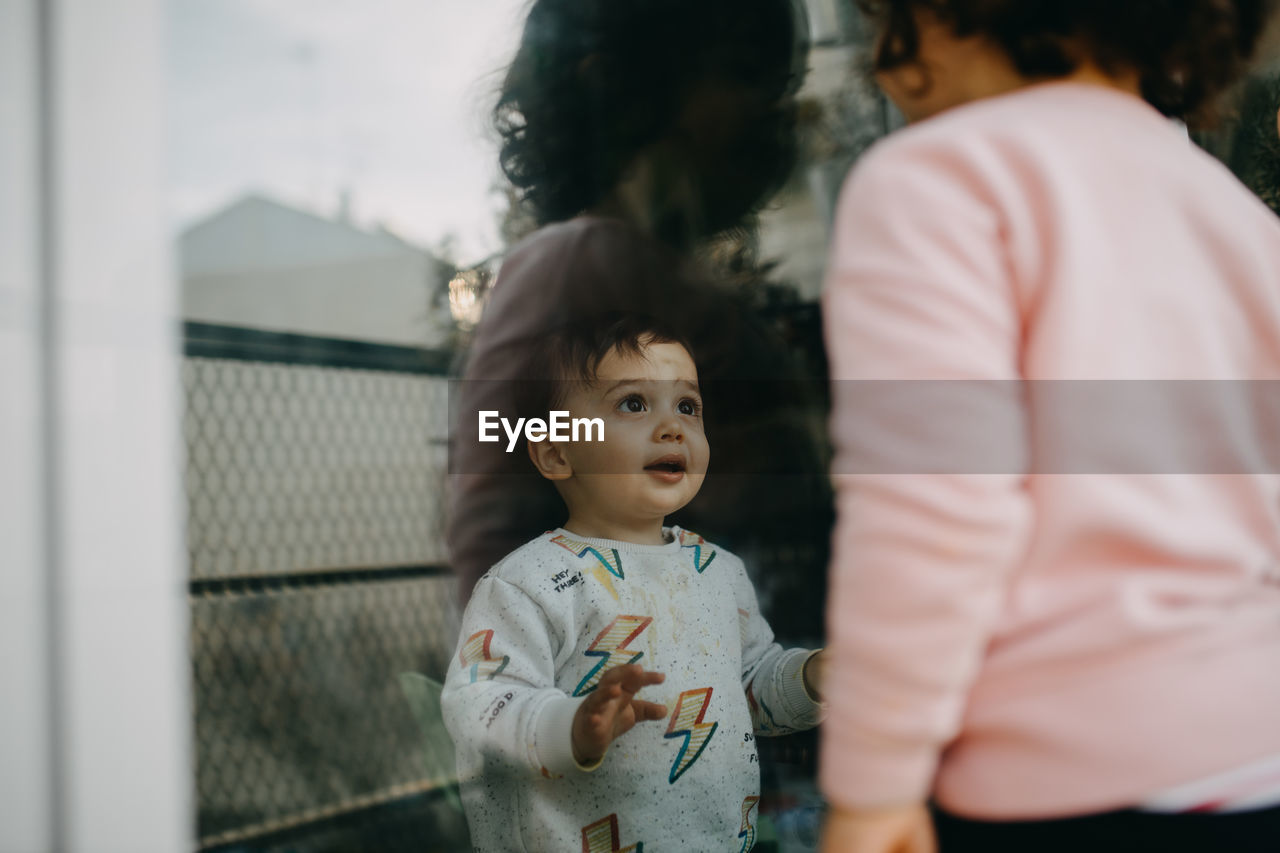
(542, 627)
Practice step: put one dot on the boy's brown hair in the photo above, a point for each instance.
(573, 353)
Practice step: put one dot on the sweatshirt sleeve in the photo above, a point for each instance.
(500, 701)
(772, 677)
(923, 331)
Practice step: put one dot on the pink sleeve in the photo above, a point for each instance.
(918, 288)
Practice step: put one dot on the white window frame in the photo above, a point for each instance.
(95, 723)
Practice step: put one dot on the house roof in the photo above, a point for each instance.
(258, 234)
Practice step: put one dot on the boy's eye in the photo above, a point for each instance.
(689, 406)
(631, 404)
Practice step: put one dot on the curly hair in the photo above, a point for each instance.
(1185, 51)
(596, 81)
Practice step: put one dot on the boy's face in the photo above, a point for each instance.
(654, 455)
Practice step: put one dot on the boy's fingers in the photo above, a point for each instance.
(603, 695)
(633, 677)
(648, 710)
(607, 700)
(615, 691)
(618, 674)
(630, 673)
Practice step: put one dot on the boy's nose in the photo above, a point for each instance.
(669, 430)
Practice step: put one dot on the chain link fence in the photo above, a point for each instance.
(315, 473)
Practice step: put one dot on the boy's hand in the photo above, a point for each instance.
(612, 709)
(815, 672)
(907, 829)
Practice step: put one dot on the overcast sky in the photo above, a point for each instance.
(301, 99)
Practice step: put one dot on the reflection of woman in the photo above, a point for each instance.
(636, 129)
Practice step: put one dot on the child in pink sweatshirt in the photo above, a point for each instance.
(1055, 605)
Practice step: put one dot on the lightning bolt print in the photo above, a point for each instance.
(610, 645)
(475, 654)
(761, 715)
(606, 566)
(687, 722)
(602, 837)
(748, 833)
(691, 540)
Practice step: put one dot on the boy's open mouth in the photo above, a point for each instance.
(670, 467)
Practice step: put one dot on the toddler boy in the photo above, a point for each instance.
(556, 749)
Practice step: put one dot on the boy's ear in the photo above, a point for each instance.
(549, 458)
